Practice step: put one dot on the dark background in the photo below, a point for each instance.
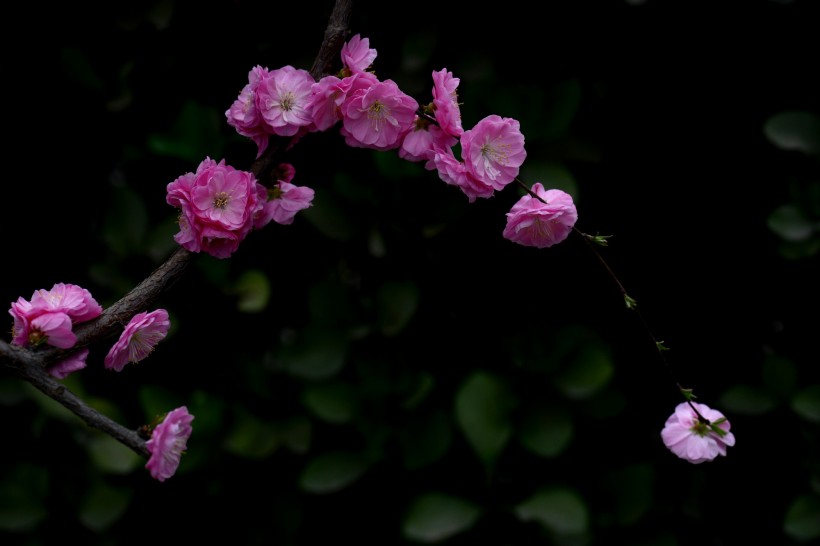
(397, 291)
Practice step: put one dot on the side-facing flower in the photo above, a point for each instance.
(357, 55)
(67, 366)
(168, 442)
(693, 439)
(138, 339)
(244, 116)
(284, 201)
(445, 101)
(533, 222)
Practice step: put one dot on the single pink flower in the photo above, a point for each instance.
(244, 116)
(330, 93)
(357, 56)
(168, 442)
(378, 116)
(424, 141)
(217, 205)
(532, 222)
(284, 100)
(285, 200)
(67, 366)
(493, 150)
(138, 339)
(53, 329)
(694, 440)
(445, 101)
(70, 299)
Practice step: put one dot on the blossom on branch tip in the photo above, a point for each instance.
(357, 55)
(541, 222)
(168, 442)
(138, 339)
(696, 440)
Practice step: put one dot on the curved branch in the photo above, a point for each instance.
(31, 365)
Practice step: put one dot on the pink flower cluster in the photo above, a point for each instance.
(220, 205)
(694, 440)
(48, 319)
(377, 114)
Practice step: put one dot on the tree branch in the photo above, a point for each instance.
(31, 365)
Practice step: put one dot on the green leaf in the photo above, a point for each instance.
(331, 402)
(112, 456)
(561, 511)
(483, 406)
(317, 354)
(253, 288)
(331, 472)
(806, 403)
(790, 223)
(802, 521)
(546, 431)
(588, 372)
(396, 303)
(434, 517)
(746, 399)
(103, 505)
(23, 489)
(794, 130)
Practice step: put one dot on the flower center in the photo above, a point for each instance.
(287, 101)
(221, 200)
(498, 153)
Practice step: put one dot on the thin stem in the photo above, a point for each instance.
(630, 303)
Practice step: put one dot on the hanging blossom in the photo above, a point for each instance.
(217, 204)
(694, 440)
(138, 339)
(541, 223)
(168, 442)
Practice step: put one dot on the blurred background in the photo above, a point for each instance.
(388, 369)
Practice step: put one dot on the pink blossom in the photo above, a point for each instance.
(455, 172)
(378, 116)
(168, 442)
(244, 116)
(284, 100)
(330, 93)
(50, 315)
(445, 101)
(284, 201)
(532, 222)
(424, 141)
(694, 440)
(217, 205)
(67, 366)
(138, 339)
(357, 56)
(70, 299)
(493, 150)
